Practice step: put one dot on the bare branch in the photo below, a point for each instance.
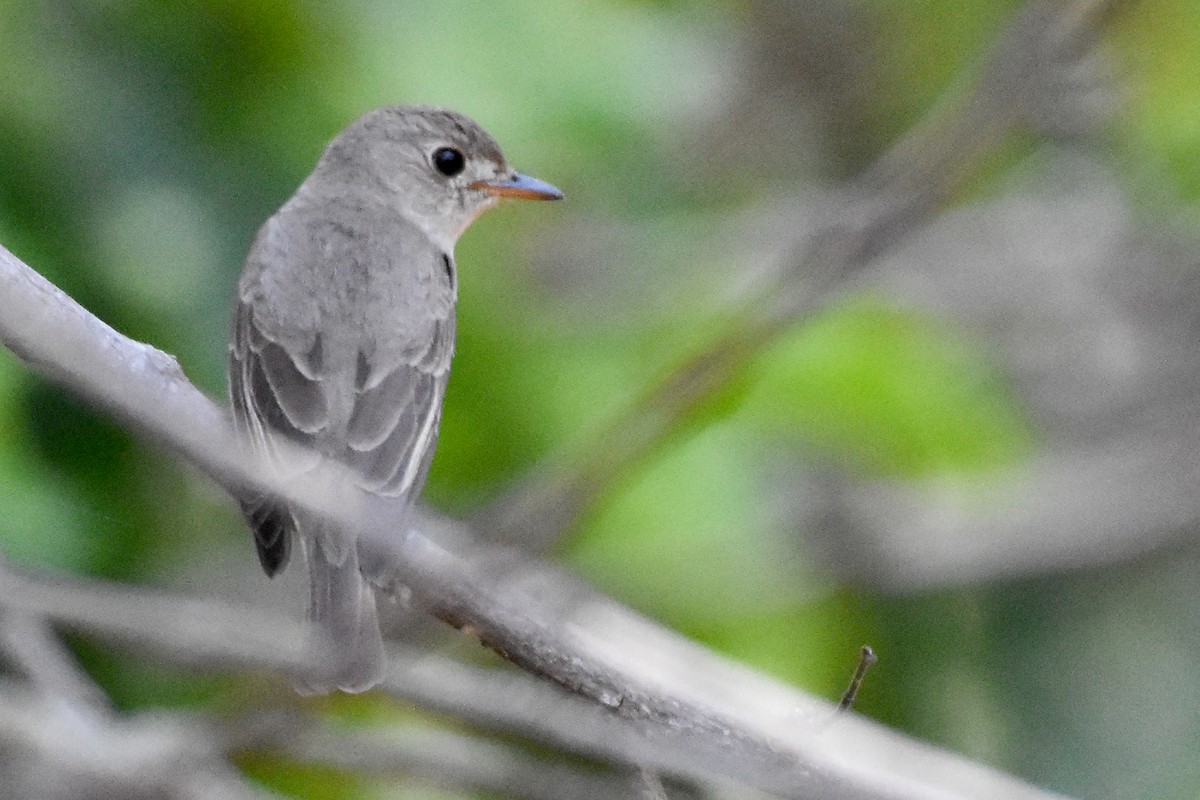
(48, 752)
(725, 721)
(27, 643)
(450, 759)
(200, 633)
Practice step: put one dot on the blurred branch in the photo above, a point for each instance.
(650, 787)
(29, 645)
(201, 633)
(45, 662)
(49, 753)
(720, 719)
(68, 730)
(442, 757)
(1035, 80)
(210, 634)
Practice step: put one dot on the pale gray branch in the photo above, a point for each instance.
(727, 721)
(451, 759)
(200, 633)
(33, 649)
(47, 752)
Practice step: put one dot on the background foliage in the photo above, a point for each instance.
(145, 142)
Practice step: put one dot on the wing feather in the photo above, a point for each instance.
(300, 399)
(379, 411)
(393, 431)
(369, 395)
(249, 390)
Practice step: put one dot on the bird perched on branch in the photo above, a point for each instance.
(343, 332)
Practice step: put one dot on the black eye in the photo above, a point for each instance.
(449, 161)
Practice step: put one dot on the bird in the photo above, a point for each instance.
(341, 340)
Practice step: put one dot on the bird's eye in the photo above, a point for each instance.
(449, 161)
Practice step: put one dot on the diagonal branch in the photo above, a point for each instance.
(30, 646)
(1032, 81)
(688, 706)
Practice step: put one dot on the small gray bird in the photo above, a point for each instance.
(342, 336)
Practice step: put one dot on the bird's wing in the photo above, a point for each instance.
(259, 416)
(281, 384)
(392, 430)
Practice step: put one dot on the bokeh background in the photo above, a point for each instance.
(981, 457)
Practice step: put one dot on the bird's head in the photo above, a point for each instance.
(436, 167)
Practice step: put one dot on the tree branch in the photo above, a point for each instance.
(27, 643)
(49, 753)
(1031, 81)
(442, 757)
(685, 703)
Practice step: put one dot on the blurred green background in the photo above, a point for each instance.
(144, 142)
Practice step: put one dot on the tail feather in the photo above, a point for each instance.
(273, 527)
(342, 605)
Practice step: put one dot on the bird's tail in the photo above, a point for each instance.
(342, 605)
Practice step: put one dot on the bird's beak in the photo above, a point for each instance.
(521, 187)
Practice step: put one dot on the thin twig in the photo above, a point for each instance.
(866, 660)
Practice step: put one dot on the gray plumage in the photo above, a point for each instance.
(343, 333)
